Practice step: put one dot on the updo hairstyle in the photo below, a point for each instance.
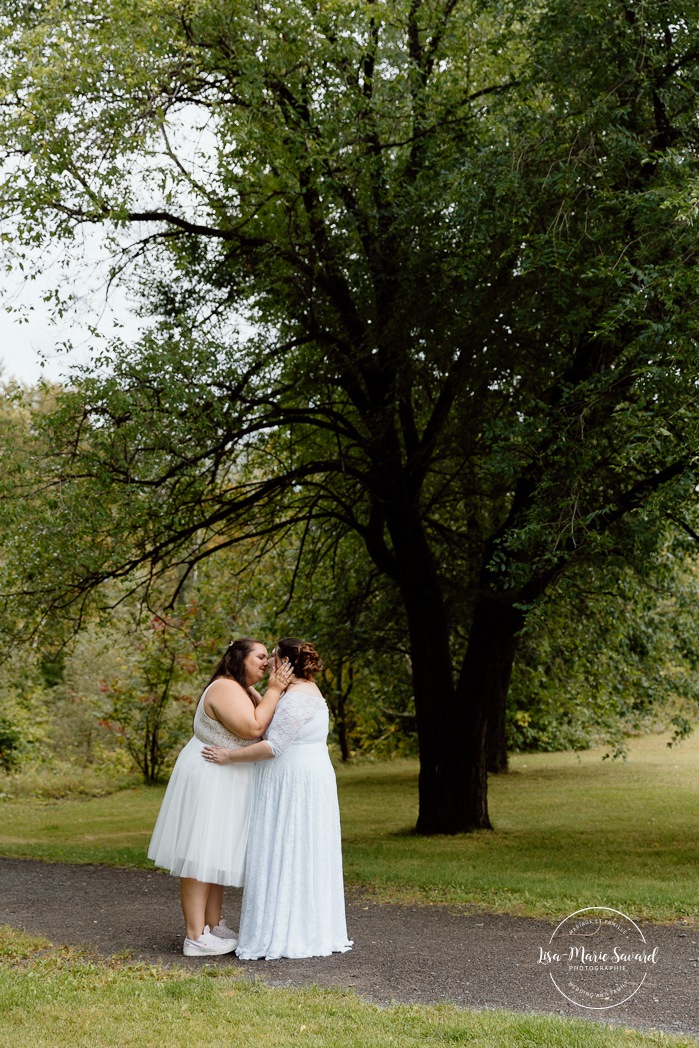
(303, 657)
(232, 665)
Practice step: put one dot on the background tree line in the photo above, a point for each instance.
(462, 234)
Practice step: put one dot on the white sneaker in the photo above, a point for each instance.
(222, 931)
(208, 945)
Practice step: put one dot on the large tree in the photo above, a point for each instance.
(462, 233)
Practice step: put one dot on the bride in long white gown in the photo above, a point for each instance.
(293, 901)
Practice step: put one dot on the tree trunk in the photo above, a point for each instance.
(486, 673)
(443, 784)
(452, 720)
(341, 728)
(453, 784)
(337, 696)
(441, 740)
(496, 740)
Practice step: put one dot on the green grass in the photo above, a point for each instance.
(570, 831)
(53, 997)
(114, 829)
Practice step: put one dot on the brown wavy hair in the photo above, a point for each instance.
(232, 665)
(303, 657)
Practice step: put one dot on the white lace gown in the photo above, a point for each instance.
(202, 828)
(294, 901)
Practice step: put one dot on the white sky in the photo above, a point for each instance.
(31, 340)
(23, 346)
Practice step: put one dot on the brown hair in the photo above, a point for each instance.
(303, 657)
(232, 665)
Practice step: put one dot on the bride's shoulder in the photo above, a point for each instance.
(305, 692)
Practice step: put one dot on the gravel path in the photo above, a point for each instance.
(414, 954)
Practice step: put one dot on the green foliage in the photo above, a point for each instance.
(552, 230)
(52, 668)
(53, 778)
(148, 689)
(610, 653)
(148, 709)
(24, 714)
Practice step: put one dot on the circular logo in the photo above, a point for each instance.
(598, 958)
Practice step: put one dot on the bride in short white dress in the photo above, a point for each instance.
(293, 901)
(201, 832)
(202, 827)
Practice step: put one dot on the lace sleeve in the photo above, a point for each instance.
(290, 716)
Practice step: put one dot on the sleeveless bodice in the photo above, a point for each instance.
(212, 732)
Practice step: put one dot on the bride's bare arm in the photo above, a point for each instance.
(228, 703)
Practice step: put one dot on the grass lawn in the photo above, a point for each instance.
(570, 831)
(58, 997)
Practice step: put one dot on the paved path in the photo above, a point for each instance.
(401, 953)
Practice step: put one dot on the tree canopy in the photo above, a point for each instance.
(423, 271)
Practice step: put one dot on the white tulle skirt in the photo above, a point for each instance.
(202, 828)
(294, 901)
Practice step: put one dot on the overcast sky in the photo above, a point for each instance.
(31, 348)
(22, 346)
(29, 335)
